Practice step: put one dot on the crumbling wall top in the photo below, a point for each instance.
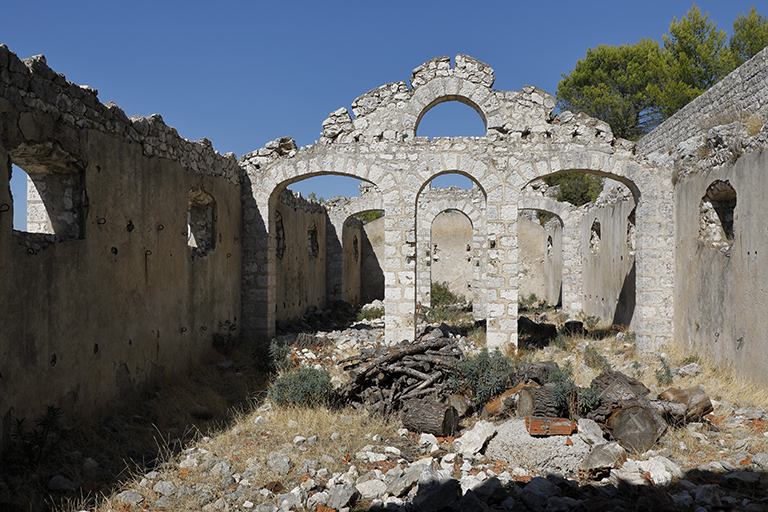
(36, 93)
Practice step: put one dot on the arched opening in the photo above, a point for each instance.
(319, 246)
(598, 245)
(451, 119)
(453, 179)
(716, 216)
(450, 245)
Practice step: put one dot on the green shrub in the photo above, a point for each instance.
(370, 314)
(39, 442)
(225, 340)
(278, 356)
(595, 359)
(482, 376)
(441, 295)
(664, 374)
(567, 395)
(304, 386)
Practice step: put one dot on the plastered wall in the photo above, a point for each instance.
(452, 258)
(608, 263)
(113, 291)
(372, 249)
(301, 256)
(353, 240)
(724, 289)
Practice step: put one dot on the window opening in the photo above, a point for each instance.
(594, 239)
(48, 193)
(313, 247)
(201, 221)
(716, 215)
(631, 233)
(280, 234)
(451, 119)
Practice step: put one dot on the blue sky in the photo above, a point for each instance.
(244, 73)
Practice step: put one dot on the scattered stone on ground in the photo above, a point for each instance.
(490, 465)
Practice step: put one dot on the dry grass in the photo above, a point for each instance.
(247, 445)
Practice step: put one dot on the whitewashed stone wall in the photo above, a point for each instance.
(523, 142)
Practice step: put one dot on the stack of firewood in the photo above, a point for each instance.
(386, 378)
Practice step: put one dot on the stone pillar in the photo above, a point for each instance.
(399, 264)
(334, 266)
(501, 268)
(653, 321)
(573, 262)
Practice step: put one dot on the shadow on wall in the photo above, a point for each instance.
(625, 309)
(371, 274)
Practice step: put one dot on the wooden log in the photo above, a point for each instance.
(685, 405)
(633, 420)
(430, 416)
(506, 402)
(537, 401)
(635, 428)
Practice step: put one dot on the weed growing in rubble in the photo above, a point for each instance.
(226, 339)
(664, 374)
(304, 386)
(482, 376)
(441, 295)
(595, 359)
(567, 395)
(370, 314)
(42, 439)
(278, 356)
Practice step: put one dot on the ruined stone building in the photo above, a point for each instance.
(140, 242)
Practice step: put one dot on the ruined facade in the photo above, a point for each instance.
(140, 242)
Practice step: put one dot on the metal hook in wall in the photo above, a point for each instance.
(183, 329)
(101, 220)
(160, 227)
(4, 207)
(147, 252)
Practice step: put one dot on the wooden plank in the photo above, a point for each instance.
(549, 426)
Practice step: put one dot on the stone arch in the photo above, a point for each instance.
(445, 99)
(653, 195)
(571, 267)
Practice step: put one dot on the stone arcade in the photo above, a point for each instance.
(140, 242)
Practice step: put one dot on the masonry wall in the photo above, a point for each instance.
(300, 266)
(113, 294)
(609, 264)
(451, 254)
(724, 290)
(531, 240)
(737, 97)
